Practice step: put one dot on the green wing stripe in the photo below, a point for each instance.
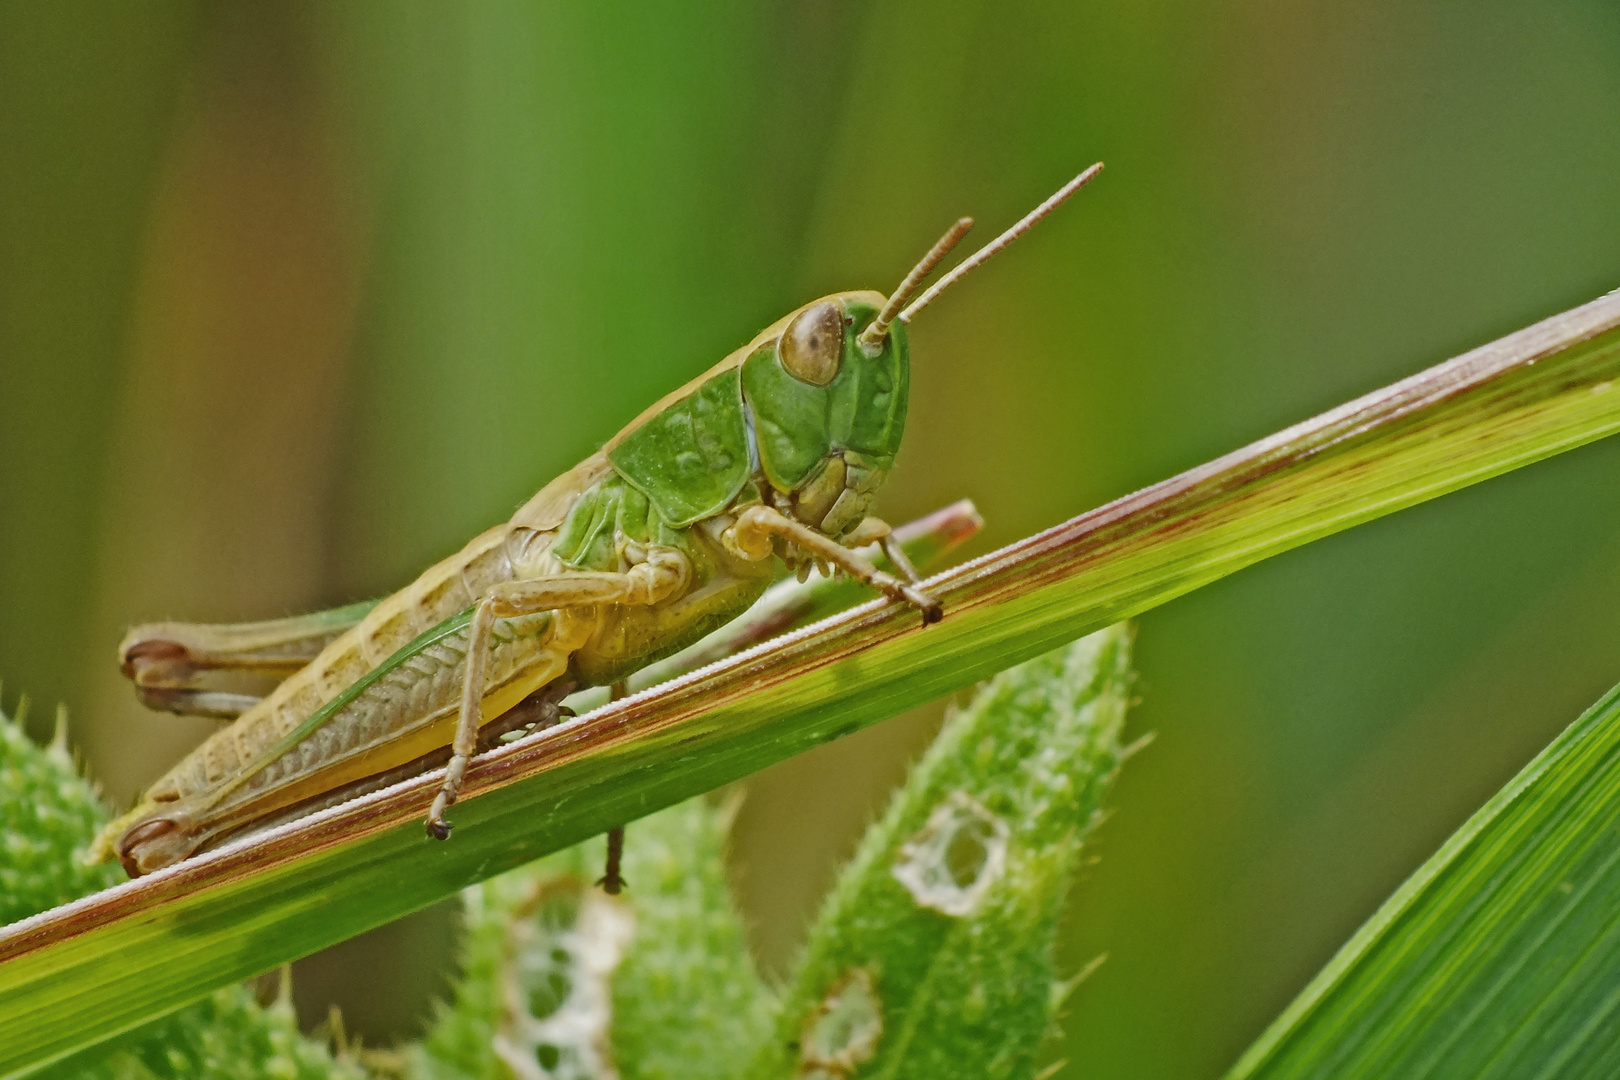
(319, 717)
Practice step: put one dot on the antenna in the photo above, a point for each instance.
(871, 338)
(999, 242)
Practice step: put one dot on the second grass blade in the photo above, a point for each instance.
(1499, 958)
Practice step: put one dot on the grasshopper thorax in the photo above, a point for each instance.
(779, 417)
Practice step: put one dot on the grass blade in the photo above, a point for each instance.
(81, 973)
(1498, 957)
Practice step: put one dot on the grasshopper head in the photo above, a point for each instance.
(828, 396)
(827, 412)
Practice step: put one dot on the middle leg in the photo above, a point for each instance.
(664, 572)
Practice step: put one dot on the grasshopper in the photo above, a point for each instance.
(672, 529)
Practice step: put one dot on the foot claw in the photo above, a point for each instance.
(932, 610)
(439, 830)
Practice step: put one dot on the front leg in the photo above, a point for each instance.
(664, 572)
(873, 531)
(757, 526)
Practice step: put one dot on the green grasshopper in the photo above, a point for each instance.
(671, 530)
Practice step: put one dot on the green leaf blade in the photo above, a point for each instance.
(1498, 957)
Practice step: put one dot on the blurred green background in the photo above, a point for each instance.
(296, 297)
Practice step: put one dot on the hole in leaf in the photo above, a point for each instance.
(547, 995)
(967, 852)
(845, 1028)
(557, 910)
(955, 857)
(557, 984)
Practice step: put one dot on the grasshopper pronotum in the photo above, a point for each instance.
(666, 533)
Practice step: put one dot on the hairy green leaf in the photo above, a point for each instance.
(688, 1000)
(655, 984)
(934, 954)
(50, 814)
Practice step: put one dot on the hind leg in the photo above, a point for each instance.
(177, 667)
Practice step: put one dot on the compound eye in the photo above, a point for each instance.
(812, 346)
